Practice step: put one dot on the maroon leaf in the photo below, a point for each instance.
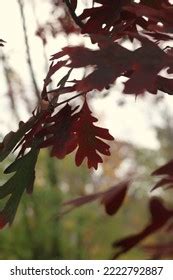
(109, 63)
(112, 199)
(59, 132)
(89, 139)
(167, 172)
(163, 182)
(159, 217)
(67, 130)
(161, 11)
(112, 15)
(166, 169)
(150, 59)
(142, 66)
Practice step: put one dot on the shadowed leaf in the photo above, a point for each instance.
(22, 180)
(12, 138)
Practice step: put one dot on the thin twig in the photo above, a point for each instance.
(73, 14)
(21, 5)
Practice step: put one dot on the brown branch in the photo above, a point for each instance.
(21, 6)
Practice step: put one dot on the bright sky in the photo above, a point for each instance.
(131, 122)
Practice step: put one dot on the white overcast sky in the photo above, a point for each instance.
(132, 122)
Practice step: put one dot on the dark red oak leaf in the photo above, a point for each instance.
(108, 64)
(166, 171)
(163, 182)
(113, 18)
(112, 199)
(148, 61)
(141, 66)
(110, 19)
(89, 139)
(59, 132)
(108, 13)
(67, 130)
(155, 12)
(159, 217)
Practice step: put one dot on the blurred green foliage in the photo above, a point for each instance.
(40, 232)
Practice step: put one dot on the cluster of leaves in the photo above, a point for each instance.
(63, 132)
(64, 127)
